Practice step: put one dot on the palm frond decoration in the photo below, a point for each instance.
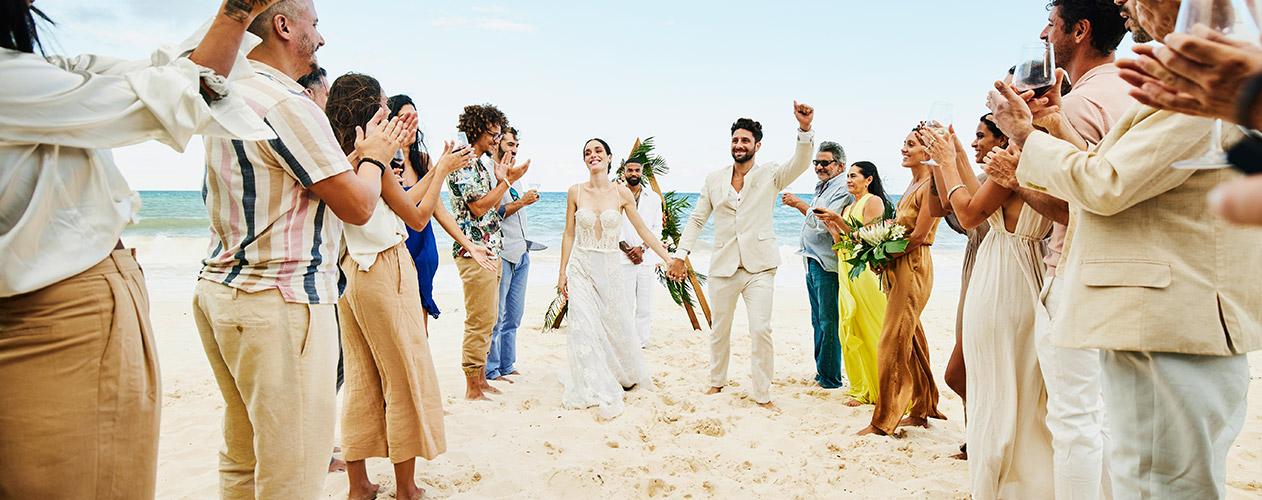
(681, 292)
(654, 165)
(676, 207)
(556, 313)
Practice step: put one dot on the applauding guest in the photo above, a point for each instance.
(514, 267)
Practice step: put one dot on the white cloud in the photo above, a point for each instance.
(497, 10)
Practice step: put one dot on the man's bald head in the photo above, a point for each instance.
(265, 24)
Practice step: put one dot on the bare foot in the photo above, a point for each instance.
(413, 493)
(514, 372)
(853, 403)
(960, 456)
(337, 465)
(502, 378)
(474, 393)
(713, 390)
(870, 430)
(365, 491)
(914, 422)
(486, 387)
(770, 406)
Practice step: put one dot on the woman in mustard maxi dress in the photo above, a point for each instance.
(860, 301)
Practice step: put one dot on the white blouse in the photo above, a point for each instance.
(383, 231)
(63, 202)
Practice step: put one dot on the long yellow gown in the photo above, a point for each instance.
(862, 310)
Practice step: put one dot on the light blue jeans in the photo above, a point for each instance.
(503, 354)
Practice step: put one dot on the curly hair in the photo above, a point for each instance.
(478, 119)
(750, 125)
(1105, 17)
(353, 100)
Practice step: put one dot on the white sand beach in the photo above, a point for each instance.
(672, 441)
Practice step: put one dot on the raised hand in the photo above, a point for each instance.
(1012, 114)
(1200, 73)
(453, 160)
(516, 172)
(1001, 166)
(804, 114)
(1046, 107)
(376, 139)
(941, 151)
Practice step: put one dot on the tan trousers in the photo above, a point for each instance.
(79, 387)
(481, 303)
(392, 406)
(758, 291)
(275, 363)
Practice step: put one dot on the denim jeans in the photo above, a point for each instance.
(503, 355)
(822, 287)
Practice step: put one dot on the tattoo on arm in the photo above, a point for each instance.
(240, 10)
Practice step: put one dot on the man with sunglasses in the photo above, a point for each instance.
(821, 261)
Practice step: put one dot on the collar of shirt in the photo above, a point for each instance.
(275, 74)
(822, 186)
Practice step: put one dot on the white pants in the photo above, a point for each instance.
(640, 282)
(1173, 418)
(1075, 407)
(758, 291)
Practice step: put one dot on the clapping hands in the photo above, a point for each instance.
(1200, 73)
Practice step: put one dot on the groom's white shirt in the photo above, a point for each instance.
(743, 233)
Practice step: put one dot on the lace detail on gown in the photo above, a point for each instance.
(604, 353)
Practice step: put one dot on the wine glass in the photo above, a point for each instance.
(1037, 69)
(534, 186)
(940, 116)
(1236, 19)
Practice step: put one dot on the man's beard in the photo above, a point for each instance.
(1138, 33)
(633, 180)
(742, 157)
(310, 53)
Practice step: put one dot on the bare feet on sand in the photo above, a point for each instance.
(413, 493)
(770, 407)
(514, 372)
(363, 491)
(914, 422)
(473, 388)
(337, 465)
(713, 390)
(503, 378)
(853, 403)
(486, 387)
(870, 430)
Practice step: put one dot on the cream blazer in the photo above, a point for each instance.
(743, 233)
(1147, 266)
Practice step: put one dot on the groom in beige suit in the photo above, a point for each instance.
(1168, 292)
(742, 198)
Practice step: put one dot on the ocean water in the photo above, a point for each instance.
(182, 214)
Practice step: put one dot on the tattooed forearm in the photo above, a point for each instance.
(241, 10)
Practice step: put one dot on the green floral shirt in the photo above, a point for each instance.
(469, 185)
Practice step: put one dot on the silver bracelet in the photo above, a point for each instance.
(953, 190)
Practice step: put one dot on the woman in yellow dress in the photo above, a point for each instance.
(860, 301)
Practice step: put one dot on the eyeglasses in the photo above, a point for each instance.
(824, 163)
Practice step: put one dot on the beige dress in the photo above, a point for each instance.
(1009, 446)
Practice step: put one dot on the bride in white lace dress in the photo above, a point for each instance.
(604, 351)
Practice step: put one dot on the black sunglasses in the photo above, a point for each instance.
(823, 163)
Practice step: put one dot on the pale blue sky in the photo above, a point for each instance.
(680, 71)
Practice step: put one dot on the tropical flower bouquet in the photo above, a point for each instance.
(871, 245)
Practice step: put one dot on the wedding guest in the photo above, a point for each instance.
(1009, 445)
(477, 191)
(905, 383)
(82, 395)
(1171, 320)
(514, 267)
(639, 274)
(393, 407)
(816, 249)
(316, 86)
(268, 287)
(861, 304)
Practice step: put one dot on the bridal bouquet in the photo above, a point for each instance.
(871, 245)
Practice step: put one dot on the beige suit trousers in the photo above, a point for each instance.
(758, 290)
(79, 387)
(275, 363)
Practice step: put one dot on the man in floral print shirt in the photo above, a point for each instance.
(476, 192)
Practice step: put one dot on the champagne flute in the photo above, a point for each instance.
(1236, 19)
(940, 116)
(1037, 69)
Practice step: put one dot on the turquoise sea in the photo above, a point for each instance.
(182, 214)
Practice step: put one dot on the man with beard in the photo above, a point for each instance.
(821, 261)
(514, 267)
(1154, 281)
(1084, 35)
(742, 199)
(640, 277)
(264, 302)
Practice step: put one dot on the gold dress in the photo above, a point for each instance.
(906, 380)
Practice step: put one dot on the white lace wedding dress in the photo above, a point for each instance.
(604, 353)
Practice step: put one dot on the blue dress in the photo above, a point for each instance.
(424, 250)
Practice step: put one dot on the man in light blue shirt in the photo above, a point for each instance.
(821, 261)
(514, 269)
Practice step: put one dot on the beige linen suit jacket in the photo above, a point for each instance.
(1147, 266)
(743, 234)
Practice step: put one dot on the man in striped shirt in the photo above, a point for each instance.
(264, 303)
